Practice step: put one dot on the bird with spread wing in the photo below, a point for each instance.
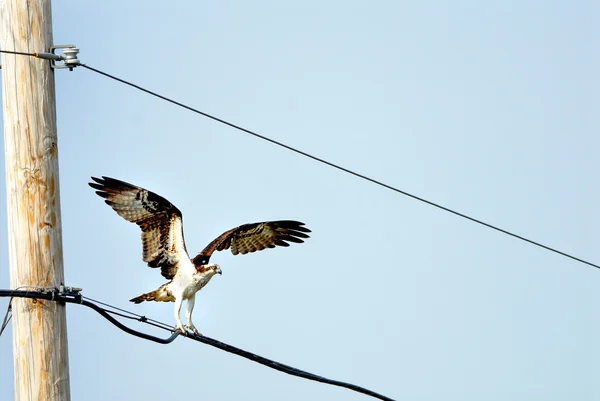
(164, 247)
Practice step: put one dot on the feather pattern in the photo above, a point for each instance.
(160, 221)
(163, 244)
(162, 228)
(255, 237)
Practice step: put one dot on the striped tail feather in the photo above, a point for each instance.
(162, 294)
(150, 296)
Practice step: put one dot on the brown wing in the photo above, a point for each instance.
(160, 221)
(255, 237)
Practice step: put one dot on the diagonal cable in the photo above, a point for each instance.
(7, 317)
(338, 167)
(328, 163)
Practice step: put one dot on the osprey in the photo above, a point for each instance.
(164, 246)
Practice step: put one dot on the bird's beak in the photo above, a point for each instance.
(219, 271)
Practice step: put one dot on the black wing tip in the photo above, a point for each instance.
(291, 238)
(105, 183)
(291, 230)
(100, 190)
(292, 224)
(97, 186)
(104, 180)
(296, 234)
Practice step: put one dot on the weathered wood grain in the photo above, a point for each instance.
(34, 224)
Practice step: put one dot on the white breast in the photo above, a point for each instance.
(188, 281)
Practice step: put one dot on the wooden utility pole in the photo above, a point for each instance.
(34, 226)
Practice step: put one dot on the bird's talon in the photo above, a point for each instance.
(193, 330)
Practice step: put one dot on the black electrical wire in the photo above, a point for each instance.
(328, 163)
(139, 318)
(130, 315)
(336, 166)
(76, 298)
(53, 295)
(19, 53)
(7, 317)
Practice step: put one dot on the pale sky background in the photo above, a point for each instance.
(490, 108)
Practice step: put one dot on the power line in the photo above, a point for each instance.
(7, 317)
(331, 164)
(18, 53)
(338, 167)
(70, 295)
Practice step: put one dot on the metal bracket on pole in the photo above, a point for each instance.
(68, 57)
(71, 292)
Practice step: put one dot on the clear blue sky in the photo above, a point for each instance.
(490, 108)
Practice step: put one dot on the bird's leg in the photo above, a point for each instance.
(178, 302)
(188, 314)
